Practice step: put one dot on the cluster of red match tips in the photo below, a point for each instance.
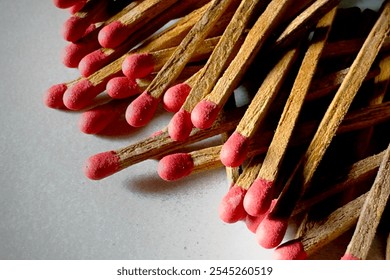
(317, 122)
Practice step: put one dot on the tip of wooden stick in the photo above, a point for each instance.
(349, 257)
(80, 95)
(176, 166)
(175, 97)
(53, 96)
(102, 165)
(74, 28)
(204, 114)
(92, 62)
(231, 209)
(234, 150)
(270, 232)
(291, 250)
(122, 87)
(138, 65)
(112, 35)
(71, 55)
(180, 126)
(141, 110)
(258, 197)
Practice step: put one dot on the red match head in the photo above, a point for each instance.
(73, 53)
(175, 166)
(349, 257)
(77, 7)
(258, 198)
(138, 65)
(102, 165)
(141, 110)
(74, 28)
(231, 209)
(80, 95)
(64, 4)
(204, 114)
(234, 150)
(252, 223)
(175, 97)
(291, 250)
(271, 231)
(53, 96)
(122, 87)
(92, 62)
(113, 35)
(180, 126)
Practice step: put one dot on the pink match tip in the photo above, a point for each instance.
(53, 96)
(231, 209)
(113, 35)
(252, 222)
(77, 7)
(175, 166)
(122, 87)
(270, 232)
(141, 110)
(204, 114)
(138, 65)
(92, 62)
(102, 165)
(291, 250)
(73, 53)
(258, 198)
(175, 97)
(74, 28)
(234, 150)
(180, 126)
(80, 95)
(64, 4)
(349, 257)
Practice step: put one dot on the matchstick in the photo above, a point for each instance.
(143, 108)
(64, 4)
(388, 247)
(315, 234)
(139, 65)
(112, 35)
(258, 198)
(206, 111)
(81, 94)
(180, 125)
(371, 213)
(53, 97)
(272, 229)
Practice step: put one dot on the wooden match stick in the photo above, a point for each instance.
(112, 35)
(371, 213)
(143, 108)
(85, 90)
(315, 234)
(139, 65)
(207, 110)
(258, 198)
(271, 231)
(388, 248)
(180, 125)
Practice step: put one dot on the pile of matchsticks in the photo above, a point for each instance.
(310, 145)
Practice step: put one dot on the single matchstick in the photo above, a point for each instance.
(143, 108)
(258, 198)
(371, 213)
(205, 112)
(112, 35)
(313, 235)
(180, 125)
(272, 229)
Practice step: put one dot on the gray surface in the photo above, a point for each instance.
(49, 210)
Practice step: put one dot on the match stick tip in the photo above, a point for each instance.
(291, 250)
(180, 126)
(92, 62)
(112, 35)
(80, 95)
(102, 165)
(141, 110)
(53, 96)
(231, 209)
(270, 232)
(74, 28)
(77, 6)
(258, 198)
(97, 119)
(175, 166)
(204, 114)
(70, 55)
(138, 65)
(64, 4)
(122, 87)
(252, 222)
(349, 257)
(175, 97)
(234, 150)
